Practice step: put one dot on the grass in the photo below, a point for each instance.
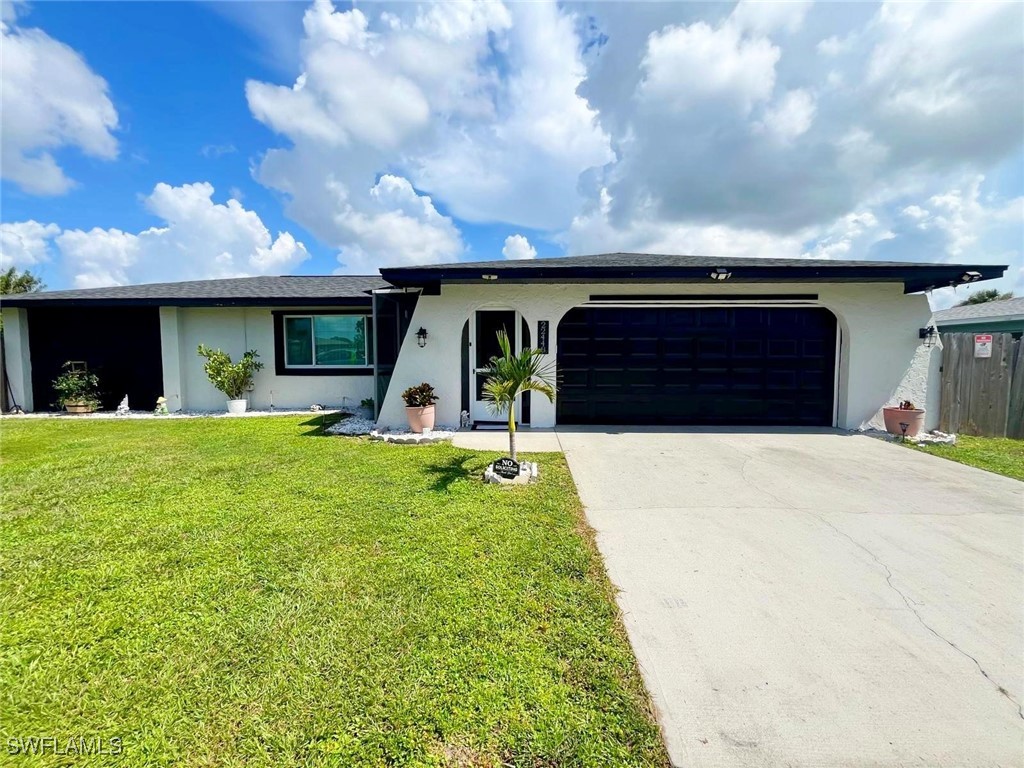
(246, 592)
(996, 454)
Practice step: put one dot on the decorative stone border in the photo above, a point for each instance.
(935, 437)
(413, 438)
(528, 473)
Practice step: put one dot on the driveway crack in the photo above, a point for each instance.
(912, 606)
(743, 473)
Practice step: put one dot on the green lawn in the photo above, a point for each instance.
(996, 454)
(222, 592)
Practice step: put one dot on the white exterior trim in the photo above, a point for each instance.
(880, 357)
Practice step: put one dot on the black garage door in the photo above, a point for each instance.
(699, 365)
(121, 345)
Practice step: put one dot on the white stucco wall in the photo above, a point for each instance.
(17, 357)
(881, 355)
(236, 330)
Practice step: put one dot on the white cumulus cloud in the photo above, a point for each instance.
(791, 117)
(687, 65)
(50, 99)
(472, 104)
(404, 228)
(518, 247)
(199, 239)
(25, 244)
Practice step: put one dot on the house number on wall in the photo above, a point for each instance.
(542, 336)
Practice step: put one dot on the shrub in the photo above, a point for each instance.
(419, 396)
(233, 379)
(77, 386)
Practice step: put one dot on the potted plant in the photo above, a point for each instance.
(419, 406)
(510, 375)
(904, 413)
(233, 379)
(77, 389)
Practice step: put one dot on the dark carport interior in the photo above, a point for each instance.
(121, 345)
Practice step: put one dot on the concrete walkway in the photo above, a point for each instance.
(815, 598)
(527, 440)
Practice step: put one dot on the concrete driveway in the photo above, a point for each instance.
(813, 598)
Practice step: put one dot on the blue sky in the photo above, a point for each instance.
(349, 139)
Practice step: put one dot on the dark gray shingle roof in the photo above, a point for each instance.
(990, 310)
(317, 290)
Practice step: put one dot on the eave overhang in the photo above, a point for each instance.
(915, 278)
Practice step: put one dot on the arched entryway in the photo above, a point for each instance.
(714, 365)
(479, 345)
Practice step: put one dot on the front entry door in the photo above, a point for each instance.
(484, 335)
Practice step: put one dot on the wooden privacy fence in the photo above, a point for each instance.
(982, 395)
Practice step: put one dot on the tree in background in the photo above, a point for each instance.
(983, 297)
(13, 281)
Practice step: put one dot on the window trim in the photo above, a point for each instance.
(282, 369)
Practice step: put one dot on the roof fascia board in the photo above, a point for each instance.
(914, 278)
(981, 319)
(339, 301)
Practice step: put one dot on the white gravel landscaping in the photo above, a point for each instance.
(362, 424)
(354, 425)
(174, 415)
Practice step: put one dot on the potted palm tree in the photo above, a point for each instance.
(77, 389)
(419, 406)
(508, 376)
(233, 379)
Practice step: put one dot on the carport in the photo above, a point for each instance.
(121, 345)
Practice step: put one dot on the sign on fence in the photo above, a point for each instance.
(982, 394)
(983, 345)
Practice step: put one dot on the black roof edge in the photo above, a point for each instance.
(915, 278)
(297, 302)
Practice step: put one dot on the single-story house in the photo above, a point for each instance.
(1003, 316)
(632, 338)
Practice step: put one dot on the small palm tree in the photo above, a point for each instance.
(510, 375)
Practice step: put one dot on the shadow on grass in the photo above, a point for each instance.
(321, 421)
(462, 466)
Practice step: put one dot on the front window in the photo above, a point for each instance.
(327, 341)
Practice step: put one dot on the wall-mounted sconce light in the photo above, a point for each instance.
(421, 337)
(489, 277)
(928, 335)
(720, 273)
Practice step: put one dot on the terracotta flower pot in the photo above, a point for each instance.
(420, 418)
(78, 408)
(913, 418)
